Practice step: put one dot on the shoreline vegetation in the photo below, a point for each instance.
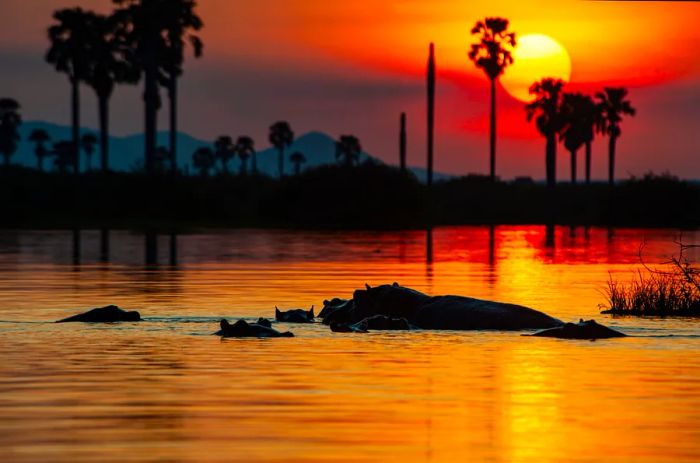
(366, 196)
(672, 291)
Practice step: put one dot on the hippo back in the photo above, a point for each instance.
(389, 300)
(465, 313)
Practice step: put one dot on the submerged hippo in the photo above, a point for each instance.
(377, 322)
(295, 315)
(243, 329)
(438, 312)
(588, 329)
(108, 314)
(264, 322)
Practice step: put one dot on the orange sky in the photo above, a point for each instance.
(353, 67)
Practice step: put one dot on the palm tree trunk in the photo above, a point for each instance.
(573, 167)
(255, 164)
(588, 162)
(75, 102)
(281, 162)
(172, 89)
(493, 130)
(39, 159)
(431, 111)
(244, 167)
(611, 160)
(551, 161)
(402, 143)
(150, 96)
(103, 108)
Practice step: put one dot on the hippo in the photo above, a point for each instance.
(295, 315)
(587, 329)
(264, 322)
(243, 329)
(108, 314)
(377, 322)
(334, 305)
(359, 327)
(437, 312)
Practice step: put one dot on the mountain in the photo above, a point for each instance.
(126, 153)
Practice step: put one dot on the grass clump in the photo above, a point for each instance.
(671, 292)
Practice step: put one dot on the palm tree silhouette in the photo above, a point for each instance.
(578, 112)
(65, 155)
(549, 120)
(281, 137)
(613, 106)
(40, 137)
(297, 158)
(161, 159)
(180, 19)
(203, 159)
(10, 120)
(224, 150)
(245, 147)
(88, 141)
(68, 52)
(430, 81)
(492, 54)
(348, 149)
(107, 65)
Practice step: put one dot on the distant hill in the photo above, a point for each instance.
(126, 153)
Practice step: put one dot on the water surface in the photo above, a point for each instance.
(166, 390)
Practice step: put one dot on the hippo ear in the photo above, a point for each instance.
(311, 312)
(395, 285)
(325, 302)
(224, 324)
(368, 286)
(277, 311)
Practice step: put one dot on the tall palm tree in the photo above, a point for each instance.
(65, 155)
(224, 151)
(180, 19)
(68, 52)
(281, 137)
(88, 141)
(245, 147)
(549, 120)
(10, 120)
(492, 54)
(613, 106)
(402, 142)
(430, 81)
(107, 65)
(40, 137)
(203, 159)
(348, 150)
(297, 158)
(578, 112)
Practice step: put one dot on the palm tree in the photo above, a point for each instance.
(180, 19)
(281, 136)
(402, 142)
(578, 112)
(297, 158)
(203, 159)
(549, 120)
(107, 65)
(65, 155)
(10, 120)
(492, 54)
(88, 142)
(245, 147)
(224, 150)
(68, 52)
(430, 81)
(161, 159)
(40, 137)
(348, 149)
(613, 106)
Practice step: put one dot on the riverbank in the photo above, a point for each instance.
(368, 196)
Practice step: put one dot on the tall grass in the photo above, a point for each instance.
(671, 292)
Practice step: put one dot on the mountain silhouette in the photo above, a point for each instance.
(126, 153)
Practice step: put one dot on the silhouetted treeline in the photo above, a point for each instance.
(361, 196)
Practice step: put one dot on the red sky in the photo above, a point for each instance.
(353, 67)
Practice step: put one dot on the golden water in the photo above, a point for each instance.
(166, 390)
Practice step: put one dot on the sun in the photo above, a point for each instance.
(536, 56)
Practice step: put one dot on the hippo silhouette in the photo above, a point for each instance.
(359, 327)
(377, 322)
(243, 329)
(295, 315)
(108, 314)
(264, 322)
(588, 329)
(436, 312)
(333, 305)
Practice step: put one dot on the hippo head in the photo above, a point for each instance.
(390, 300)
